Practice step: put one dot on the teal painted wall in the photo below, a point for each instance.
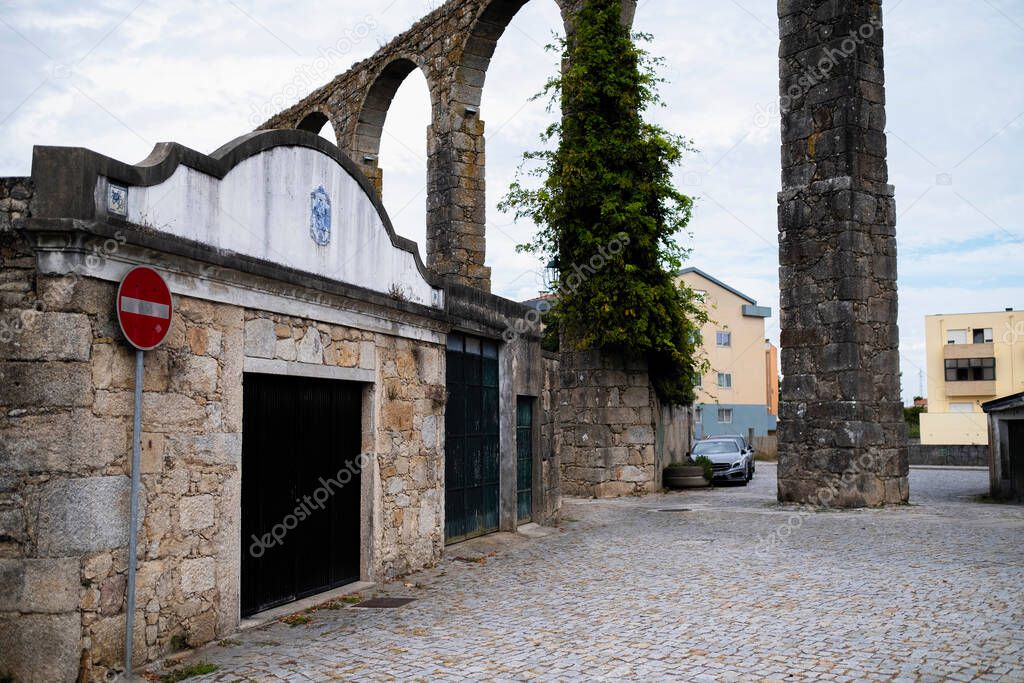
(744, 417)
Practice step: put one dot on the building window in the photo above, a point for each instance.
(724, 338)
(699, 382)
(956, 336)
(725, 380)
(725, 416)
(971, 370)
(698, 415)
(983, 336)
(961, 407)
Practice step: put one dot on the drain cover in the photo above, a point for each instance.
(384, 603)
(674, 510)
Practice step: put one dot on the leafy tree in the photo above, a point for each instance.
(608, 210)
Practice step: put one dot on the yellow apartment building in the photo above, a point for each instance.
(741, 391)
(971, 358)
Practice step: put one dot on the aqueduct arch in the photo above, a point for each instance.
(841, 413)
(453, 46)
(372, 114)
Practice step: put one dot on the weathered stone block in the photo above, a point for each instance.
(285, 349)
(151, 453)
(195, 374)
(212, 448)
(46, 384)
(614, 489)
(640, 435)
(344, 354)
(635, 397)
(112, 594)
(165, 411)
(260, 338)
(367, 355)
(63, 442)
(50, 586)
(310, 348)
(196, 512)
(41, 648)
(49, 336)
(632, 473)
(78, 516)
(12, 525)
(198, 575)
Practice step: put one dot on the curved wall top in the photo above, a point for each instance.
(285, 197)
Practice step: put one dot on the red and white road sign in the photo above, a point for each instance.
(144, 308)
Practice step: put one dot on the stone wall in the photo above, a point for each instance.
(607, 417)
(948, 456)
(64, 472)
(17, 272)
(841, 431)
(550, 444)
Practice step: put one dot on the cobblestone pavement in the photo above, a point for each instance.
(629, 590)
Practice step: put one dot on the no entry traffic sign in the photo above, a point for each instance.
(144, 308)
(144, 313)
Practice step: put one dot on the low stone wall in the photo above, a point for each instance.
(607, 415)
(950, 456)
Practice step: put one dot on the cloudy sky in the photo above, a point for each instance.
(118, 77)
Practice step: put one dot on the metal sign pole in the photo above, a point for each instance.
(134, 515)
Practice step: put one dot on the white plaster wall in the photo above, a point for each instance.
(262, 207)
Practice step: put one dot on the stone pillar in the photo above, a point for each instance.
(842, 439)
(456, 199)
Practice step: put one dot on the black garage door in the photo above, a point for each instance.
(471, 438)
(300, 510)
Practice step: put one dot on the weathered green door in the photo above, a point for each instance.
(471, 438)
(524, 457)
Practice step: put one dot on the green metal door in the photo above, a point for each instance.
(471, 438)
(524, 457)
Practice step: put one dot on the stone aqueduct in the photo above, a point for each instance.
(842, 438)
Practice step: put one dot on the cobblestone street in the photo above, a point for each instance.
(731, 588)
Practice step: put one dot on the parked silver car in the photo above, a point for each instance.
(744, 446)
(730, 462)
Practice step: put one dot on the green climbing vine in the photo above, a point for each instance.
(607, 209)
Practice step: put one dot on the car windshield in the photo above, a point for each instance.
(714, 448)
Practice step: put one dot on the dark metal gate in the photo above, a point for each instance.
(1015, 443)
(300, 488)
(471, 438)
(524, 458)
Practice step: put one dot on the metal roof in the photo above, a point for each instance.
(718, 282)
